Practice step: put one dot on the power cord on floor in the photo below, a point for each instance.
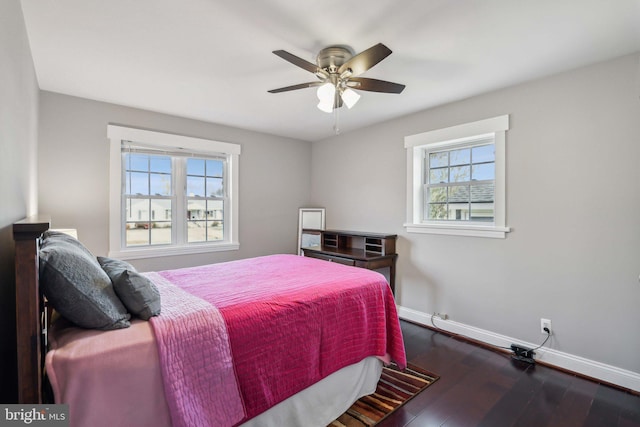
(433, 316)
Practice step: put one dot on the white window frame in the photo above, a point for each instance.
(456, 136)
(170, 142)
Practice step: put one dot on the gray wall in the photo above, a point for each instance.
(573, 202)
(74, 176)
(18, 145)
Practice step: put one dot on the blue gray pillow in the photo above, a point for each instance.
(52, 236)
(138, 294)
(77, 287)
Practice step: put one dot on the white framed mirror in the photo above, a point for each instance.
(310, 222)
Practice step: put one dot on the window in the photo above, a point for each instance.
(456, 180)
(459, 183)
(171, 194)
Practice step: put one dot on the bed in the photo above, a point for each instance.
(322, 333)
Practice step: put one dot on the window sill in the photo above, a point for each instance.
(139, 253)
(459, 230)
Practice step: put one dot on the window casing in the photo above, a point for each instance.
(456, 180)
(171, 194)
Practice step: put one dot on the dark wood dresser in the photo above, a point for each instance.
(360, 249)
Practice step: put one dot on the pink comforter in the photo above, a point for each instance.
(294, 320)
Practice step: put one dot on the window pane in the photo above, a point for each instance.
(137, 183)
(484, 153)
(460, 173)
(160, 184)
(161, 164)
(215, 231)
(138, 162)
(460, 157)
(483, 171)
(438, 194)
(459, 211)
(195, 186)
(137, 234)
(458, 193)
(438, 176)
(160, 233)
(437, 211)
(196, 231)
(438, 159)
(215, 209)
(195, 167)
(161, 210)
(196, 209)
(482, 193)
(138, 209)
(215, 168)
(482, 212)
(214, 187)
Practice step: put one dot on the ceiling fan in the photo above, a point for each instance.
(337, 70)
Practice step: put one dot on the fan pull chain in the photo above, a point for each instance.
(336, 116)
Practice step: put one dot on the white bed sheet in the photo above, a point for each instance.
(325, 400)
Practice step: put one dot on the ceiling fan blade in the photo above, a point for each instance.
(374, 85)
(295, 87)
(365, 59)
(306, 65)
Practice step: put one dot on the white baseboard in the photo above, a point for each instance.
(580, 365)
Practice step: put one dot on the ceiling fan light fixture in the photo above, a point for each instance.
(327, 107)
(326, 94)
(350, 97)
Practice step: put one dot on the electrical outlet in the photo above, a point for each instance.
(545, 323)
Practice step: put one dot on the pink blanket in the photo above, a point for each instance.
(195, 359)
(294, 320)
(108, 378)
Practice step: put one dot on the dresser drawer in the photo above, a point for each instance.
(330, 258)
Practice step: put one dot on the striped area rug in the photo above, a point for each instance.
(395, 388)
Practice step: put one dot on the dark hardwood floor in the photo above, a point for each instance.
(482, 387)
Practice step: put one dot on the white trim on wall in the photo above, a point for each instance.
(441, 136)
(580, 365)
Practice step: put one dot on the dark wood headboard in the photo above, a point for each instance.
(29, 308)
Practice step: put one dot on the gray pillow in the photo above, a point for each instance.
(79, 289)
(137, 293)
(51, 237)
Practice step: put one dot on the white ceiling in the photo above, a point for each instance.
(211, 59)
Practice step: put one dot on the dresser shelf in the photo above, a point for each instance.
(359, 249)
